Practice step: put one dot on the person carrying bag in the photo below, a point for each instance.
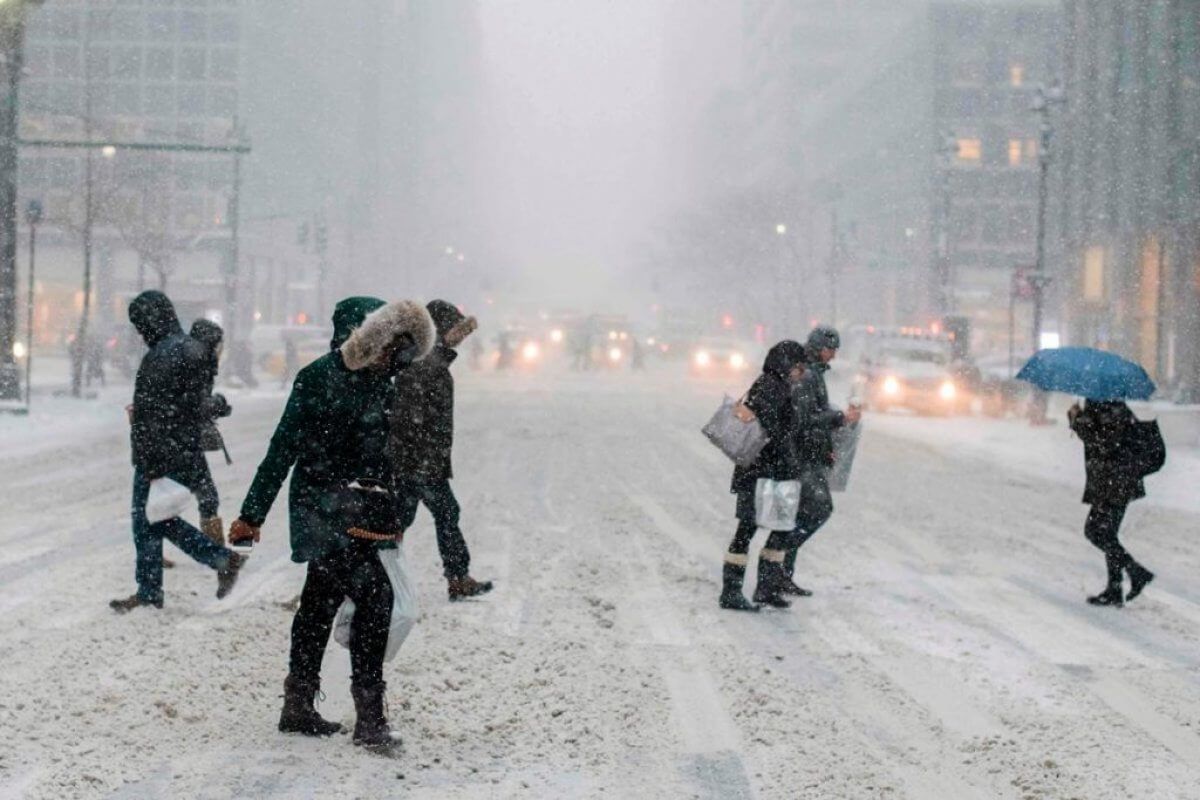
(769, 399)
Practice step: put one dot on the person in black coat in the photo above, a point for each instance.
(169, 408)
(1112, 484)
(421, 442)
(770, 401)
(211, 338)
(817, 420)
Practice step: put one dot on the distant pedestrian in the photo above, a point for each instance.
(504, 351)
(94, 362)
(770, 401)
(816, 421)
(169, 409)
(1113, 482)
(291, 362)
(332, 438)
(421, 443)
(637, 355)
(211, 337)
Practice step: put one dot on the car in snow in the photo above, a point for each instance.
(721, 357)
(915, 372)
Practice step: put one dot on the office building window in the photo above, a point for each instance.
(1031, 149)
(1093, 275)
(191, 64)
(160, 64)
(1014, 152)
(1016, 76)
(970, 150)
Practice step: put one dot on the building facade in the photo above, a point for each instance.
(1129, 165)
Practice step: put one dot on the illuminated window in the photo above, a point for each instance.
(1093, 274)
(1014, 152)
(970, 149)
(1031, 149)
(1016, 76)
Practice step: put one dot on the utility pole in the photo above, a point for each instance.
(944, 296)
(1043, 100)
(12, 60)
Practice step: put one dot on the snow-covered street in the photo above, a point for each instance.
(947, 652)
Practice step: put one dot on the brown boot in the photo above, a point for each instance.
(466, 586)
(214, 529)
(227, 577)
(299, 713)
(127, 604)
(371, 729)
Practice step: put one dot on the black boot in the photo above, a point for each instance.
(227, 577)
(371, 729)
(299, 713)
(1139, 576)
(1109, 597)
(127, 604)
(731, 589)
(788, 586)
(770, 580)
(466, 586)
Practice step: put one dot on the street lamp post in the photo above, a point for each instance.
(943, 269)
(33, 216)
(12, 37)
(1043, 100)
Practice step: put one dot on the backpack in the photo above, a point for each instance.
(1146, 449)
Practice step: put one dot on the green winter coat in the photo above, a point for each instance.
(333, 430)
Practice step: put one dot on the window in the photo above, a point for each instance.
(1031, 149)
(1014, 152)
(97, 62)
(127, 99)
(193, 26)
(160, 64)
(191, 64)
(191, 101)
(223, 28)
(1093, 275)
(37, 62)
(1016, 76)
(160, 99)
(127, 63)
(66, 62)
(970, 149)
(223, 64)
(222, 101)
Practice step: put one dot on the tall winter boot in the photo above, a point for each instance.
(371, 729)
(227, 577)
(214, 529)
(299, 713)
(733, 575)
(1139, 576)
(769, 591)
(788, 584)
(1114, 593)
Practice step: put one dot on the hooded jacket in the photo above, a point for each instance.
(169, 394)
(421, 442)
(770, 400)
(334, 428)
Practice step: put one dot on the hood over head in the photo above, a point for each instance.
(405, 324)
(348, 315)
(153, 315)
(445, 316)
(823, 337)
(783, 356)
(207, 332)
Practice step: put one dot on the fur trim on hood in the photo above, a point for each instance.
(383, 327)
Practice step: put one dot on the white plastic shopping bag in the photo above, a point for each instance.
(404, 604)
(776, 504)
(167, 499)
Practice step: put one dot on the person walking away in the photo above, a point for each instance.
(168, 411)
(1113, 483)
(94, 362)
(333, 433)
(817, 420)
(421, 443)
(291, 361)
(770, 400)
(211, 337)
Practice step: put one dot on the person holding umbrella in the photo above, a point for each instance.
(1119, 451)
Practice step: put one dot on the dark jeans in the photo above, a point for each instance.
(439, 498)
(354, 572)
(816, 507)
(1102, 529)
(147, 538)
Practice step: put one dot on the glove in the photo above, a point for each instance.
(241, 531)
(223, 409)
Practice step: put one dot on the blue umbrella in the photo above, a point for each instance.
(1087, 372)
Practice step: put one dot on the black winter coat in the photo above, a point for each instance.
(169, 395)
(816, 419)
(422, 419)
(770, 400)
(1112, 478)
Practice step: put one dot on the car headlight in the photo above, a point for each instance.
(556, 335)
(18, 350)
(614, 354)
(891, 386)
(531, 351)
(702, 358)
(947, 391)
(737, 361)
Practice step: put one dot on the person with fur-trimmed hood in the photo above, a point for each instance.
(421, 443)
(333, 438)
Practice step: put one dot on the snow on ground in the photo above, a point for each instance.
(947, 651)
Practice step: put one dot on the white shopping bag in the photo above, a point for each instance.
(776, 504)
(404, 604)
(167, 499)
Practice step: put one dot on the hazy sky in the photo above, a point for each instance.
(575, 148)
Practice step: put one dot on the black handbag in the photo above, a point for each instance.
(368, 506)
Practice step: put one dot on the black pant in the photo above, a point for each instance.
(439, 498)
(816, 507)
(354, 572)
(747, 527)
(1102, 529)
